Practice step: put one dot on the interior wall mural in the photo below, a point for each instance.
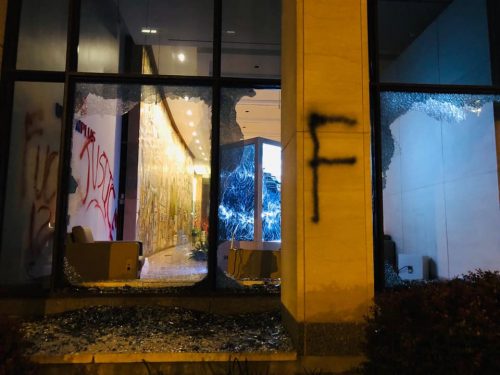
(95, 167)
(165, 186)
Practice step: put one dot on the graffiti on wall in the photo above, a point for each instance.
(317, 120)
(96, 179)
(38, 188)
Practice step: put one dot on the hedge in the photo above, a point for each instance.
(450, 327)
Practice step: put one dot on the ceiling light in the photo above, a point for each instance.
(186, 98)
(189, 112)
(197, 141)
(195, 134)
(205, 159)
(203, 153)
(154, 31)
(145, 30)
(199, 148)
(191, 123)
(181, 57)
(230, 32)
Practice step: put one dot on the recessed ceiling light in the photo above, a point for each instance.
(203, 153)
(197, 141)
(230, 32)
(191, 123)
(186, 98)
(148, 30)
(205, 159)
(189, 112)
(181, 57)
(195, 134)
(199, 148)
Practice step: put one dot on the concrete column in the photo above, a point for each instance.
(327, 266)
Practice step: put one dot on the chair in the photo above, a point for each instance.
(102, 260)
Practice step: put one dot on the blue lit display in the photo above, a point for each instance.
(237, 193)
(271, 192)
(239, 212)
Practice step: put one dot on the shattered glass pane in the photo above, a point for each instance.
(441, 182)
(441, 107)
(140, 172)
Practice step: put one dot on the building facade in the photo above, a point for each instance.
(157, 123)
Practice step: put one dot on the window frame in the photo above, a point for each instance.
(71, 77)
(377, 88)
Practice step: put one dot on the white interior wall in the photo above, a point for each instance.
(441, 195)
(95, 167)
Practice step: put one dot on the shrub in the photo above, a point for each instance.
(12, 350)
(448, 327)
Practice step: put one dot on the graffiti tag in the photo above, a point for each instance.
(98, 179)
(315, 121)
(38, 182)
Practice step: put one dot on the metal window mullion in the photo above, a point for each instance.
(73, 36)
(215, 165)
(64, 172)
(7, 86)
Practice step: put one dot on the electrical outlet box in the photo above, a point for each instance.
(413, 267)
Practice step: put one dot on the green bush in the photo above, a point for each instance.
(12, 349)
(448, 327)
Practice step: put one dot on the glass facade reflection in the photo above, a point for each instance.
(42, 35)
(437, 42)
(171, 37)
(251, 38)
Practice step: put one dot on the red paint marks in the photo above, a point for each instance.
(38, 182)
(98, 181)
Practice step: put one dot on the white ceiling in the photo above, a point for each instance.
(258, 116)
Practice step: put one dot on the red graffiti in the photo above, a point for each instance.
(99, 179)
(45, 166)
